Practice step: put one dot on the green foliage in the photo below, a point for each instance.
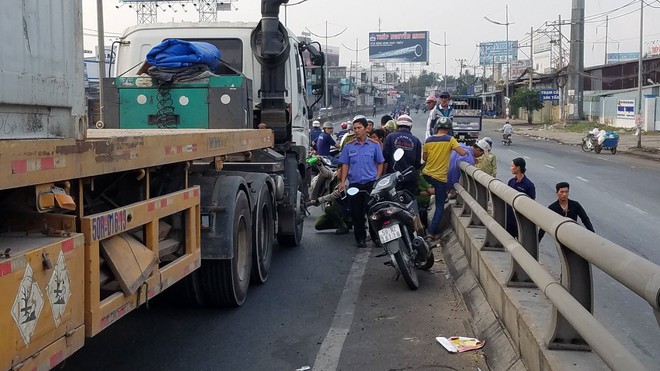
(528, 99)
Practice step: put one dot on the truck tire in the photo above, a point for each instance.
(291, 218)
(225, 282)
(262, 236)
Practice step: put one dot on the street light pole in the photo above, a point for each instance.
(508, 61)
(639, 74)
(445, 46)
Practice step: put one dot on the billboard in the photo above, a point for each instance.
(406, 46)
(519, 67)
(495, 52)
(621, 57)
(549, 94)
(653, 48)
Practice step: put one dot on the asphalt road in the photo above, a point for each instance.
(327, 305)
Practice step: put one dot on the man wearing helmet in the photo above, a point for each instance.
(437, 151)
(412, 152)
(325, 140)
(344, 130)
(315, 132)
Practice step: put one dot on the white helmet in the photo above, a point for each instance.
(404, 120)
(316, 124)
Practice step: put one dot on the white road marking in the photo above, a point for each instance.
(582, 179)
(527, 157)
(327, 358)
(512, 151)
(637, 209)
(551, 167)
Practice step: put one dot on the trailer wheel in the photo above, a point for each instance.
(262, 238)
(296, 217)
(226, 282)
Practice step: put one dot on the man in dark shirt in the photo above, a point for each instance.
(412, 153)
(568, 208)
(520, 183)
(325, 140)
(315, 132)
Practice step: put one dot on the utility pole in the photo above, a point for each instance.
(356, 50)
(607, 23)
(638, 119)
(575, 80)
(508, 60)
(531, 56)
(445, 46)
(561, 84)
(325, 66)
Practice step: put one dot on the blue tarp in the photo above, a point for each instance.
(174, 53)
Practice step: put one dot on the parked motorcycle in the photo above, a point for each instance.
(324, 181)
(589, 142)
(395, 216)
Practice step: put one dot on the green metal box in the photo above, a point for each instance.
(214, 102)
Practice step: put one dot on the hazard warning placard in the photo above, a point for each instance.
(59, 289)
(27, 306)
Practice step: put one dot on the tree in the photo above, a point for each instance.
(527, 99)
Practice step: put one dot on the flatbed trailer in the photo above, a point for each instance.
(92, 229)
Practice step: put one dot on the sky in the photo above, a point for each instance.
(463, 21)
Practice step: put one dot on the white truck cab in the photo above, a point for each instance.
(233, 41)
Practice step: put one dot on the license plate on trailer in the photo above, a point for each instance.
(389, 234)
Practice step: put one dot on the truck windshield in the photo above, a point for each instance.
(231, 52)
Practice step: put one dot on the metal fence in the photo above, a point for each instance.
(574, 327)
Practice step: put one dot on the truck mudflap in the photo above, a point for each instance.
(102, 311)
(42, 286)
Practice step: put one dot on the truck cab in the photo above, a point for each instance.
(233, 41)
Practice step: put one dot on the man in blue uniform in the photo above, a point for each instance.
(412, 153)
(325, 140)
(362, 163)
(520, 183)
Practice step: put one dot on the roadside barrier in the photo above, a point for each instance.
(573, 325)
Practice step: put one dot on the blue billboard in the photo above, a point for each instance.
(622, 57)
(549, 94)
(495, 52)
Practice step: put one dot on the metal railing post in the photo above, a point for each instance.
(528, 239)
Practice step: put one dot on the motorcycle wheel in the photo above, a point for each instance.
(585, 147)
(406, 265)
(430, 260)
(598, 149)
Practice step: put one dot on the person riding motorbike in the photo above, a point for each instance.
(507, 130)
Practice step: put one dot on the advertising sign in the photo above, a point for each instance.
(407, 46)
(621, 57)
(653, 48)
(495, 52)
(519, 67)
(625, 108)
(549, 95)
(542, 44)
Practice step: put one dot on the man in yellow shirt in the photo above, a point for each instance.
(436, 152)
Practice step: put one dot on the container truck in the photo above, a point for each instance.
(96, 222)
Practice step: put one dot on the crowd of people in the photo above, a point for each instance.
(363, 153)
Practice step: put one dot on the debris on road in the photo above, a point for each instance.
(458, 344)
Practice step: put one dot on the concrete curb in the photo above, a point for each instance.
(634, 152)
(525, 312)
(499, 349)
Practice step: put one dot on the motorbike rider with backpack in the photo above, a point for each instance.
(412, 147)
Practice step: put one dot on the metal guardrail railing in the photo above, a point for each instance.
(574, 327)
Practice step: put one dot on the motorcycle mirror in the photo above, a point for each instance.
(398, 154)
(352, 191)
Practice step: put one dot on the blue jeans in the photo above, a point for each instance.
(440, 196)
